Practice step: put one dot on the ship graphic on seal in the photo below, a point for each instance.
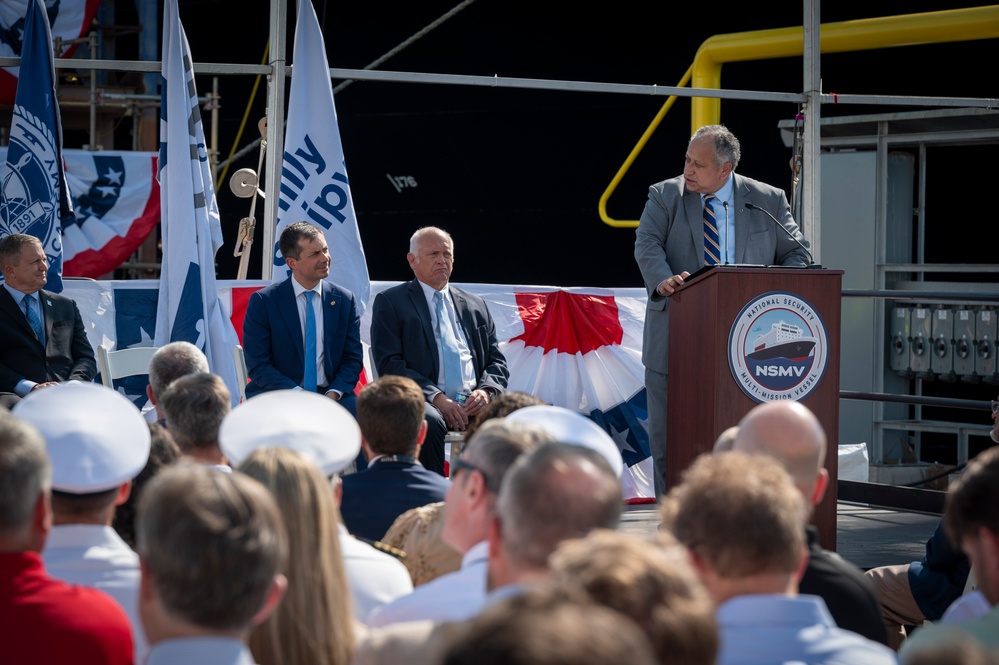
(785, 340)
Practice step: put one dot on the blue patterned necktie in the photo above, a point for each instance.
(449, 347)
(309, 378)
(33, 320)
(712, 248)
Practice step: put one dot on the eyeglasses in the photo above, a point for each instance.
(461, 464)
(995, 406)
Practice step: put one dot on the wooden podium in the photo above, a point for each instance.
(740, 336)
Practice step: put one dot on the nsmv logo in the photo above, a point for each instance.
(778, 348)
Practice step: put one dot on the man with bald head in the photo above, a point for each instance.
(789, 432)
(442, 337)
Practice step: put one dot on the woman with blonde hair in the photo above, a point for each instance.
(314, 623)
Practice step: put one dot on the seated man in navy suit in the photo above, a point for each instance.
(42, 338)
(279, 318)
(390, 415)
(441, 337)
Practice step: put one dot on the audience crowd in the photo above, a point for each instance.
(299, 529)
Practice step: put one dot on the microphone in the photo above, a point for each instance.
(811, 260)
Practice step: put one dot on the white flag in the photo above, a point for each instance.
(314, 185)
(188, 308)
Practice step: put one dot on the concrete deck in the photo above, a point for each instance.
(867, 536)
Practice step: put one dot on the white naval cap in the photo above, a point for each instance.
(311, 424)
(571, 427)
(96, 438)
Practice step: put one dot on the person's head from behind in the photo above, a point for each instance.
(555, 492)
(971, 518)
(499, 407)
(211, 546)
(194, 406)
(305, 252)
(172, 361)
(390, 413)
(544, 626)
(431, 256)
(742, 520)
(314, 621)
(725, 440)
(163, 451)
(651, 582)
(790, 433)
(476, 477)
(25, 485)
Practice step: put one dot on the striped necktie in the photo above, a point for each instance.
(712, 248)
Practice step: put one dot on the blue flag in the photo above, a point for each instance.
(35, 197)
(314, 185)
(188, 308)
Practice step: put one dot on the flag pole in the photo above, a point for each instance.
(275, 130)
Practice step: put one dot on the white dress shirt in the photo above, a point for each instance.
(451, 597)
(467, 367)
(317, 309)
(95, 556)
(375, 578)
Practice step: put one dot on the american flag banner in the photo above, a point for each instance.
(116, 205)
(116, 200)
(578, 348)
(68, 19)
(34, 196)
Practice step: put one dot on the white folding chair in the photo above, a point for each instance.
(241, 373)
(123, 362)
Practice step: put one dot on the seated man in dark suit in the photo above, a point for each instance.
(42, 338)
(441, 337)
(280, 317)
(390, 415)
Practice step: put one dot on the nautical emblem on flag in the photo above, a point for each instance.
(31, 183)
(778, 348)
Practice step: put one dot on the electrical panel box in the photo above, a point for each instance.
(920, 341)
(942, 358)
(985, 345)
(898, 345)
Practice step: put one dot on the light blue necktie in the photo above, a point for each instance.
(712, 247)
(309, 379)
(449, 347)
(33, 320)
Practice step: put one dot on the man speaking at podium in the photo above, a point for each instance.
(707, 216)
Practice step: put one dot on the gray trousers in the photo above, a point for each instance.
(655, 392)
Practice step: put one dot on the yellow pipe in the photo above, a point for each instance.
(885, 32)
(602, 205)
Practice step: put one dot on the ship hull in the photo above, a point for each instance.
(796, 349)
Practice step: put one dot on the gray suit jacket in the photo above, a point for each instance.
(670, 240)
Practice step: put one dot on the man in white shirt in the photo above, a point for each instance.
(740, 517)
(98, 442)
(469, 508)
